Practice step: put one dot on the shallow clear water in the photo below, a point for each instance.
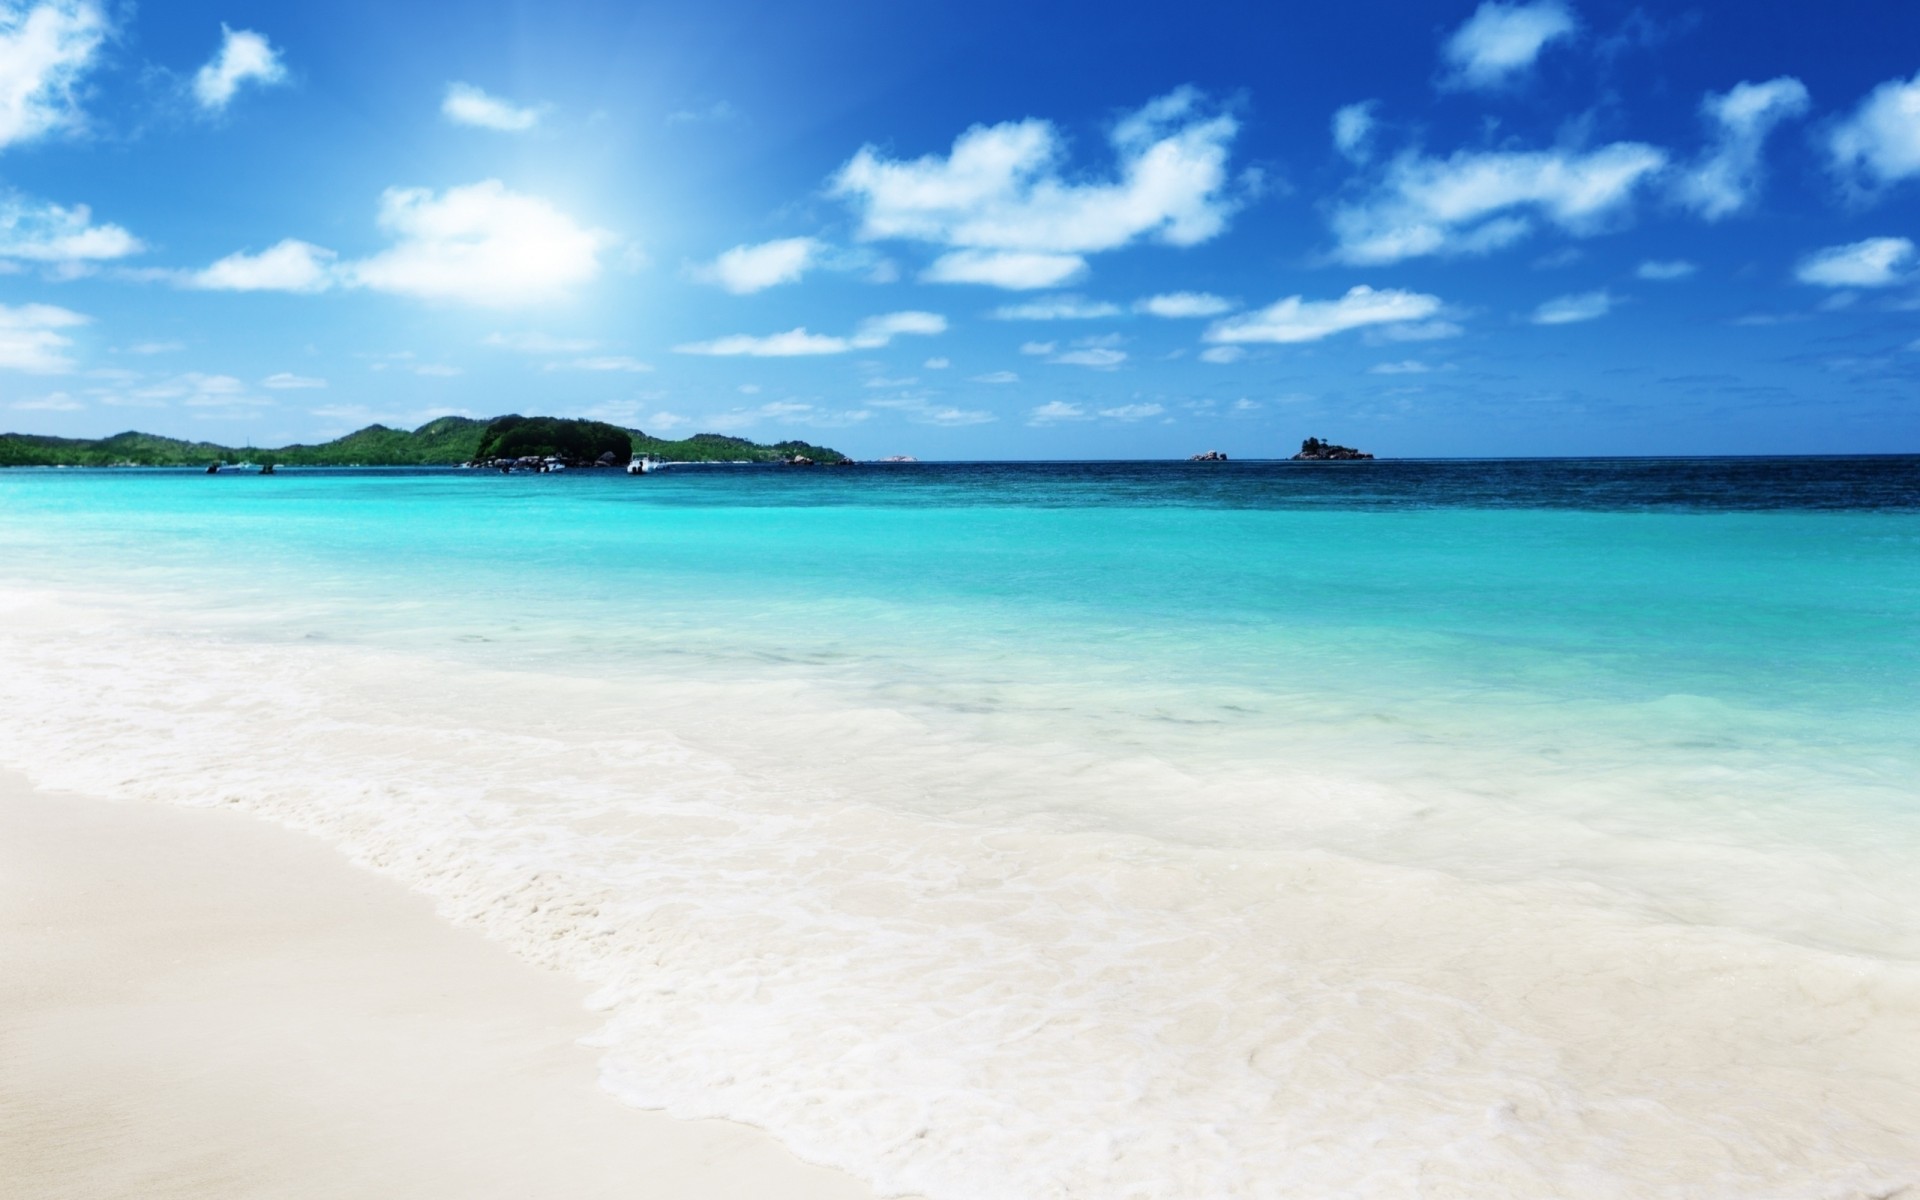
(1510, 828)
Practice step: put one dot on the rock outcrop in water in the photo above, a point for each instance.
(1315, 450)
(1209, 456)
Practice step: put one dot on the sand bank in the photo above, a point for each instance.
(195, 1004)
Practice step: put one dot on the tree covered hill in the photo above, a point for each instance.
(447, 441)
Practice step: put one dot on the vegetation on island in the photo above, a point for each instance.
(447, 441)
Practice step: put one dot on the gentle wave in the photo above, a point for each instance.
(980, 954)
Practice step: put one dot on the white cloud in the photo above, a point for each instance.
(875, 332)
(1132, 412)
(937, 364)
(1501, 41)
(465, 104)
(1001, 201)
(794, 343)
(1015, 271)
(51, 402)
(1880, 141)
(1038, 348)
(44, 50)
(1057, 308)
(438, 370)
(1353, 130)
(243, 56)
(1055, 411)
(928, 413)
(746, 269)
(1222, 355)
(997, 377)
(1728, 177)
(51, 233)
(1297, 319)
(1664, 269)
(285, 380)
(1410, 366)
(872, 333)
(31, 338)
(1568, 310)
(1184, 304)
(1875, 262)
(155, 347)
(1101, 358)
(289, 266)
(602, 362)
(538, 343)
(194, 389)
(1475, 202)
(480, 244)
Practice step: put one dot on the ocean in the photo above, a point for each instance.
(1480, 829)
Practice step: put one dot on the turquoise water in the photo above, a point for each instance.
(1673, 699)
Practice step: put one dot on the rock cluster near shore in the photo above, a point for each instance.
(1315, 450)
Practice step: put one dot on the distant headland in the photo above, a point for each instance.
(448, 441)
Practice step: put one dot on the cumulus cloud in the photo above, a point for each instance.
(1297, 319)
(1662, 270)
(1500, 42)
(1038, 348)
(1132, 412)
(1476, 202)
(1222, 355)
(746, 269)
(1353, 130)
(479, 244)
(1002, 204)
(1879, 142)
(289, 266)
(1101, 358)
(465, 104)
(937, 364)
(1057, 308)
(1569, 310)
(1728, 177)
(1184, 304)
(244, 57)
(1875, 262)
(1055, 411)
(997, 377)
(45, 48)
(1016, 271)
(1410, 366)
(872, 333)
(31, 338)
(50, 233)
(287, 381)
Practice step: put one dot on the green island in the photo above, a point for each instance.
(447, 441)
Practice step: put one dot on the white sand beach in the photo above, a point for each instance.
(194, 1003)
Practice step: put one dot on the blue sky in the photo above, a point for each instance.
(971, 230)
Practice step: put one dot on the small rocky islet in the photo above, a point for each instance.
(1311, 450)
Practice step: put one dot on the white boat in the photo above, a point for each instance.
(642, 466)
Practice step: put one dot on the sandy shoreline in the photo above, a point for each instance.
(193, 1004)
